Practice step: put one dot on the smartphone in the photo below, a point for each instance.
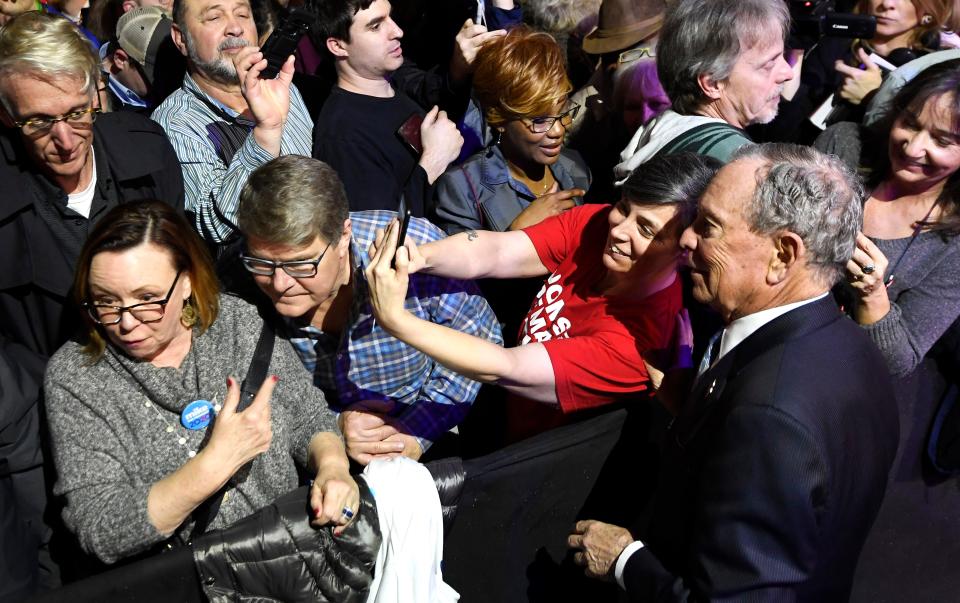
(283, 41)
(404, 215)
(409, 133)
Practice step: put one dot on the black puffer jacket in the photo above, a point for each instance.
(276, 555)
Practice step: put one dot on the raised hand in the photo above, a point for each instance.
(388, 285)
(416, 261)
(441, 143)
(239, 437)
(858, 83)
(269, 100)
(865, 273)
(469, 40)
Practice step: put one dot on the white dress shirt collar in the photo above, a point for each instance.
(745, 326)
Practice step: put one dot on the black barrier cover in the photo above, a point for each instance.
(518, 505)
(159, 579)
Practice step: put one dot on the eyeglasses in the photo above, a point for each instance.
(627, 56)
(544, 123)
(78, 120)
(295, 268)
(146, 312)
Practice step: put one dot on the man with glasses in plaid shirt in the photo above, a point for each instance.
(62, 166)
(306, 252)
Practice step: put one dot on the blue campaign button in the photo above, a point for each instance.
(197, 415)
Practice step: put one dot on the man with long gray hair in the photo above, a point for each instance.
(775, 467)
(722, 64)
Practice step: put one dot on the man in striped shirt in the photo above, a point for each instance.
(225, 121)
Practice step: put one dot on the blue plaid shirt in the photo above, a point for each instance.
(366, 363)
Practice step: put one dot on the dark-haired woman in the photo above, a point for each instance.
(611, 295)
(143, 411)
(907, 263)
(905, 274)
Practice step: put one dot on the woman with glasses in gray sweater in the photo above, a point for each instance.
(142, 408)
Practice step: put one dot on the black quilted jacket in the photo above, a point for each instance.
(276, 555)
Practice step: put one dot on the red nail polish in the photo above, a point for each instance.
(275, 378)
(316, 512)
(229, 381)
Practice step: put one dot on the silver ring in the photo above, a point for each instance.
(347, 513)
(869, 268)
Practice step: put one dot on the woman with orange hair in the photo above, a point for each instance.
(526, 175)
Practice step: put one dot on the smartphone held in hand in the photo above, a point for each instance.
(283, 41)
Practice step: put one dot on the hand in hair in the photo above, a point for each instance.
(543, 207)
(866, 271)
(469, 40)
(269, 100)
(858, 83)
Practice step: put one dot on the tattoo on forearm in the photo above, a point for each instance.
(471, 235)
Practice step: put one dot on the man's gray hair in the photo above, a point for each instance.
(811, 194)
(706, 37)
(291, 200)
(50, 48)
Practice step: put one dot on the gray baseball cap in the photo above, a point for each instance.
(141, 32)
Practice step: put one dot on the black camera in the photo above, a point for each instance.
(812, 19)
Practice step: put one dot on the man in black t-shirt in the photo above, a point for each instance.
(358, 132)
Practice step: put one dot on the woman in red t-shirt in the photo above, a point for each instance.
(611, 295)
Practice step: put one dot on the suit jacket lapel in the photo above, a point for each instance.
(708, 389)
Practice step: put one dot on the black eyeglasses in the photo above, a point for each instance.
(295, 268)
(543, 123)
(150, 311)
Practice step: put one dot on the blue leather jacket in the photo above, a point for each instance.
(480, 194)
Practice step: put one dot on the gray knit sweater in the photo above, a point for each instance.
(115, 428)
(925, 295)
(924, 298)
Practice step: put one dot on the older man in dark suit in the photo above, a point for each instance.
(775, 467)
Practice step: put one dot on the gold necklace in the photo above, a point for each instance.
(547, 182)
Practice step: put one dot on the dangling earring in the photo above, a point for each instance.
(188, 315)
(926, 20)
(498, 137)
